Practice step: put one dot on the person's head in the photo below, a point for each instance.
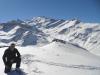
(12, 46)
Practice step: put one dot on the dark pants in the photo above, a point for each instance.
(9, 64)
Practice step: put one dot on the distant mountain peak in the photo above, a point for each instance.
(16, 21)
(40, 19)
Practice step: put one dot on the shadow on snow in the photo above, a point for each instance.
(14, 72)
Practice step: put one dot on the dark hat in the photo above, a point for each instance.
(12, 44)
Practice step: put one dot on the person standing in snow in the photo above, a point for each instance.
(11, 55)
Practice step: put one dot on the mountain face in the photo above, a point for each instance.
(42, 30)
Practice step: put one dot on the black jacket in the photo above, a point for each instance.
(10, 55)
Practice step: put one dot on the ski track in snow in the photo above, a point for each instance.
(26, 59)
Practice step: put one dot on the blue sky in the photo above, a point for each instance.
(85, 10)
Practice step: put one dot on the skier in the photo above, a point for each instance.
(11, 55)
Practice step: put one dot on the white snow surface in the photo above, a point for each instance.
(55, 59)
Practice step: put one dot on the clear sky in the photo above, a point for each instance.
(85, 10)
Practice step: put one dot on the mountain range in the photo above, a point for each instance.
(40, 31)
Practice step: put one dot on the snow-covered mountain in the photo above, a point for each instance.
(42, 30)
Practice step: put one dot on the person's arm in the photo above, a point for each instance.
(18, 54)
(5, 57)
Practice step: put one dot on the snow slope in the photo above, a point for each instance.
(56, 59)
